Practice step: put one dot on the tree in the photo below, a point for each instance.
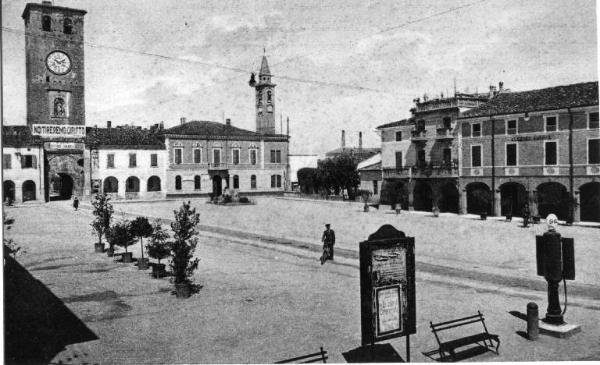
(120, 234)
(339, 173)
(10, 247)
(308, 180)
(159, 246)
(103, 212)
(184, 244)
(140, 227)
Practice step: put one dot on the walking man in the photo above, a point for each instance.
(75, 203)
(526, 215)
(328, 240)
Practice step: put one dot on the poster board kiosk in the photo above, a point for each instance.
(387, 286)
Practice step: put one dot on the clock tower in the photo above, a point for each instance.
(54, 72)
(54, 64)
(265, 99)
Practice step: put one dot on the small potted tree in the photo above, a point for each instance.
(183, 247)
(102, 212)
(140, 228)
(158, 248)
(120, 235)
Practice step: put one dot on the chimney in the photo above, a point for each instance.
(500, 86)
(182, 120)
(227, 121)
(108, 124)
(360, 142)
(162, 126)
(288, 126)
(343, 138)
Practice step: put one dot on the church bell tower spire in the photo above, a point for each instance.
(265, 99)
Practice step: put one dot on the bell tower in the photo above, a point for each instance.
(54, 64)
(265, 99)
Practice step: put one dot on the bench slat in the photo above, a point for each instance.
(457, 325)
(450, 345)
(320, 355)
(455, 320)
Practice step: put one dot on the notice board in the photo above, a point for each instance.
(387, 285)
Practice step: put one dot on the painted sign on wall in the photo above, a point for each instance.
(55, 130)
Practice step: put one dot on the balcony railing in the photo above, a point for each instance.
(217, 166)
(444, 133)
(398, 172)
(418, 135)
(443, 169)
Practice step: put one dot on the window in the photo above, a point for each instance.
(46, 23)
(398, 136)
(110, 161)
(511, 154)
(269, 96)
(253, 182)
(447, 122)
(594, 151)
(275, 156)
(399, 159)
(236, 182)
(178, 153)
(511, 126)
(278, 178)
(217, 156)
(27, 161)
(476, 130)
(421, 158)
(593, 121)
(132, 160)
(153, 160)
(447, 156)
(6, 161)
(153, 183)
(197, 182)
(197, 155)
(551, 124)
(475, 156)
(551, 153)
(375, 191)
(273, 181)
(420, 125)
(177, 182)
(235, 156)
(253, 153)
(68, 26)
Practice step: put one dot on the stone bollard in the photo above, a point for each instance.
(533, 329)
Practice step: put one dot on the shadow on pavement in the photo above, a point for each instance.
(377, 353)
(37, 324)
(458, 356)
(523, 316)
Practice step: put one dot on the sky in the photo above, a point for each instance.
(339, 64)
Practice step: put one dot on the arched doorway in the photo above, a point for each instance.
(153, 183)
(513, 197)
(111, 185)
(132, 184)
(422, 196)
(479, 198)
(217, 185)
(8, 190)
(61, 187)
(589, 196)
(553, 197)
(28, 190)
(448, 198)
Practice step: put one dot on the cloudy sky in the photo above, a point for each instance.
(339, 64)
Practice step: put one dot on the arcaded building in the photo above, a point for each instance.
(540, 147)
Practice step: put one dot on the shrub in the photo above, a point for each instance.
(140, 227)
(103, 212)
(244, 199)
(120, 235)
(159, 247)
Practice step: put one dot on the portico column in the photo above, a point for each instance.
(19, 191)
(462, 209)
(122, 186)
(143, 187)
(576, 211)
(497, 203)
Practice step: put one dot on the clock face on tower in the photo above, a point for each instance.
(58, 63)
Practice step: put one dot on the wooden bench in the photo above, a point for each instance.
(535, 219)
(320, 356)
(483, 339)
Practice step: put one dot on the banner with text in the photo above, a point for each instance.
(54, 130)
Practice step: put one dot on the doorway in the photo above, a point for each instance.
(217, 185)
(62, 187)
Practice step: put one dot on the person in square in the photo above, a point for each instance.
(526, 215)
(328, 240)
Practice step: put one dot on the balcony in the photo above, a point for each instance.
(445, 169)
(418, 135)
(397, 173)
(444, 134)
(217, 166)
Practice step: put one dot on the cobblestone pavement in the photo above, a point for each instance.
(259, 302)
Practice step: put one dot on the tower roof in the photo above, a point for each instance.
(264, 67)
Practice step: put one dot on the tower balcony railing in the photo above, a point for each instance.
(418, 135)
